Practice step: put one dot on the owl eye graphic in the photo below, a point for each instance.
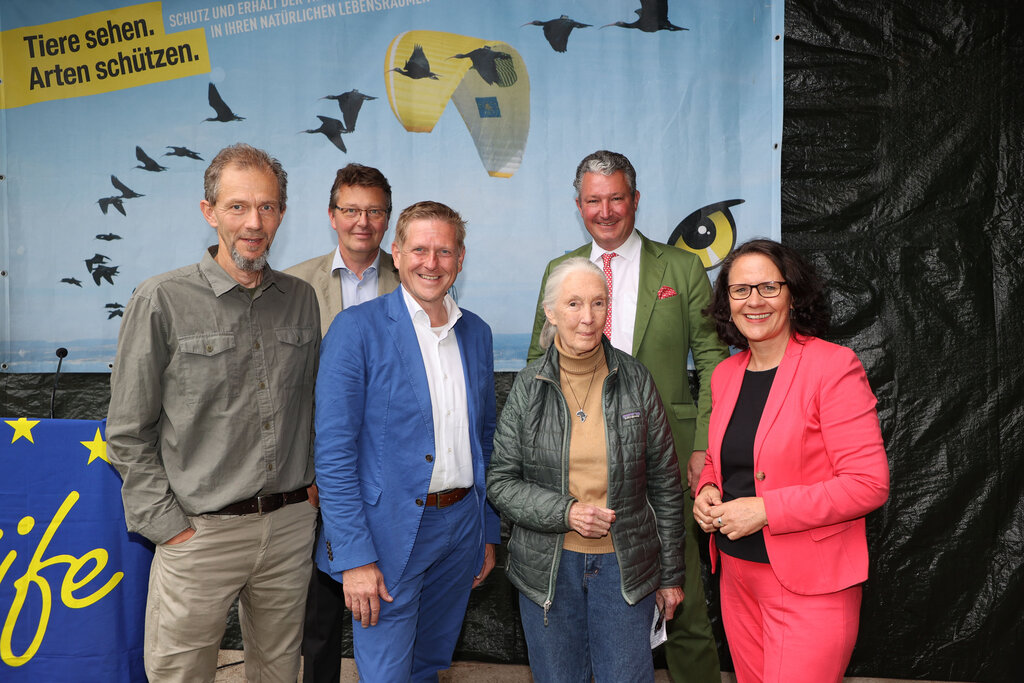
(709, 232)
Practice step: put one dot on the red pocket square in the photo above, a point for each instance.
(666, 291)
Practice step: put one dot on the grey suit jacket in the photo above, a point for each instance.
(317, 272)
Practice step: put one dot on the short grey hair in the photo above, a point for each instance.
(245, 157)
(605, 163)
(553, 288)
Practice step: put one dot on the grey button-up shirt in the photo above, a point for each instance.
(211, 394)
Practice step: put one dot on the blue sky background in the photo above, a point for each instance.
(698, 112)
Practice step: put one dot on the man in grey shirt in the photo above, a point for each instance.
(210, 426)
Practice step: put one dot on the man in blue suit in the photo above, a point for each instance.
(404, 421)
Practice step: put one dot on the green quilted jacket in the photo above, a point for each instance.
(527, 480)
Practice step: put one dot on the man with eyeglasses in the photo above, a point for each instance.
(405, 418)
(657, 295)
(356, 272)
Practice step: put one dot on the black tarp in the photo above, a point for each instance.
(901, 170)
(901, 173)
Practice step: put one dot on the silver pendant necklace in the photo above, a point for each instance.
(581, 414)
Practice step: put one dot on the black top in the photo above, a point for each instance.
(738, 459)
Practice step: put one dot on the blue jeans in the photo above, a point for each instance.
(591, 630)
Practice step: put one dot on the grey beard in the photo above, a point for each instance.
(252, 265)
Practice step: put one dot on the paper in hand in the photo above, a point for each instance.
(658, 629)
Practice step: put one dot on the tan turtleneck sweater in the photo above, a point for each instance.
(582, 378)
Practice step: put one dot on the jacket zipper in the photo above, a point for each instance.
(553, 573)
(608, 450)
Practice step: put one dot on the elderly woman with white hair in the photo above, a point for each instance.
(584, 468)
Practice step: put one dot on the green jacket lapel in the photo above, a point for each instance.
(652, 271)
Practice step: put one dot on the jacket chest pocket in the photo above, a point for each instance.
(295, 361)
(208, 367)
(629, 435)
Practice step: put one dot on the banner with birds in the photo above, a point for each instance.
(111, 110)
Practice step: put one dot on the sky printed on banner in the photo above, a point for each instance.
(697, 111)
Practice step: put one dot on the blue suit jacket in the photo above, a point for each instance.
(375, 431)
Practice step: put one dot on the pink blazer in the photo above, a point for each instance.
(819, 462)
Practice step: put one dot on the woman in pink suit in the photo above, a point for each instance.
(795, 461)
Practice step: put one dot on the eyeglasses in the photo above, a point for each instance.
(354, 213)
(768, 290)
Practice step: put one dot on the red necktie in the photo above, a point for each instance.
(607, 258)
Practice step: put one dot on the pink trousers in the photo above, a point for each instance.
(778, 636)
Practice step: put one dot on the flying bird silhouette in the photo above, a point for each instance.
(485, 61)
(182, 152)
(350, 103)
(104, 272)
(108, 237)
(417, 65)
(332, 128)
(114, 305)
(557, 30)
(95, 261)
(126, 192)
(652, 16)
(113, 314)
(224, 113)
(72, 281)
(107, 202)
(148, 164)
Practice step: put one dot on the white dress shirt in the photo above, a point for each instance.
(356, 290)
(453, 458)
(625, 284)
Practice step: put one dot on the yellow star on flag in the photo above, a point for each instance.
(97, 448)
(22, 428)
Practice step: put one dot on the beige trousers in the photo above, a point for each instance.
(264, 561)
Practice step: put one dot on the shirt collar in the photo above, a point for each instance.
(420, 317)
(629, 250)
(221, 282)
(339, 262)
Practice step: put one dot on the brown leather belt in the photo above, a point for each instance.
(443, 499)
(264, 504)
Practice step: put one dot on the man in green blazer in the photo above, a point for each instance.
(657, 294)
(357, 271)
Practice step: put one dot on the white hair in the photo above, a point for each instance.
(553, 289)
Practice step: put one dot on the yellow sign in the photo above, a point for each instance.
(96, 53)
(78, 575)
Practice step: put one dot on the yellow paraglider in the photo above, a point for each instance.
(487, 80)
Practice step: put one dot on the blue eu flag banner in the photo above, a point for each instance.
(72, 580)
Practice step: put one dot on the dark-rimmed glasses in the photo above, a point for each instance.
(768, 290)
(353, 213)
